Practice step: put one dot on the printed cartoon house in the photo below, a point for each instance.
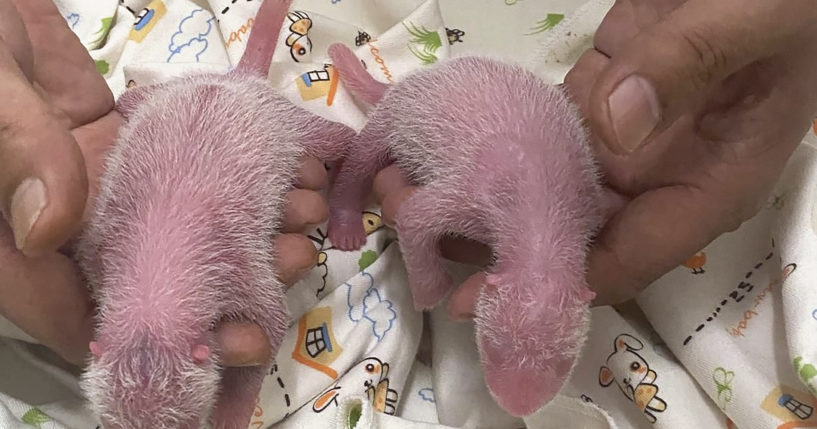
(318, 83)
(317, 347)
(146, 19)
(794, 408)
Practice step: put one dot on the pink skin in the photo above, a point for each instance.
(181, 239)
(500, 158)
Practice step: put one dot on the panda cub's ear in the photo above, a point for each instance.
(200, 353)
(96, 349)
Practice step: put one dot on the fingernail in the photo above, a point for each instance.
(27, 203)
(245, 364)
(634, 111)
(462, 317)
(455, 313)
(302, 272)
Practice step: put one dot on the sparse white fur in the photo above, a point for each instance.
(501, 158)
(202, 185)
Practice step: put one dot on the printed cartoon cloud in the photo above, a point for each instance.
(72, 19)
(426, 394)
(190, 39)
(379, 312)
(371, 307)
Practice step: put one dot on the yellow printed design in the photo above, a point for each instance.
(317, 347)
(696, 263)
(373, 374)
(318, 83)
(298, 40)
(382, 398)
(146, 20)
(794, 408)
(633, 376)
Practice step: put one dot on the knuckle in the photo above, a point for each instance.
(582, 64)
(310, 255)
(710, 57)
(300, 255)
(319, 211)
(732, 224)
(6, 134)
(741, 211)
(303, 244)
(306, 205)
(313, 174)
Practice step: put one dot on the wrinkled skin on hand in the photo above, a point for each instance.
(56, 124)
(733, 82)
(723, 92)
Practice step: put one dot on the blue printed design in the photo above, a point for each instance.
(145, 19)
(190, 39)
(426, 394)
(73, 20)
(373, 308)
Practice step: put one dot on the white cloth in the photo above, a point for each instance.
(727, 335)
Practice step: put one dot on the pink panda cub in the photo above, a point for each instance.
(502, 158)
(181, 239)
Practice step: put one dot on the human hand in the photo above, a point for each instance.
(56, 126)
(244, 344)
(722, 95)
(734, 95)
(391, 190)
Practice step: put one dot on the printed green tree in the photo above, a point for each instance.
(806, 372)
(546, 24)
(104, 29)
(366, 259)
(425, 43)
(35, 417)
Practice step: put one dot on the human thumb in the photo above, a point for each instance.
(670, 67)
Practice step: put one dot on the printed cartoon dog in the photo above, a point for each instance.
(633, 376)
(298, 39)
(375, 379)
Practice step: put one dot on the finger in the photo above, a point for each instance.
(581, 77)
(617, 28)
(95, 140)
(63, 67)
(296, 255)
(13, 35)
(670, 67)
(313, 175)
(391, 190)
(463, 301)
(387, 181)
(390, 207)
(457, 249)
(465, 251)
(652, 235)
(626, 18)
(242, 344)
(305, 210)
(46, 298)
(43, 183)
